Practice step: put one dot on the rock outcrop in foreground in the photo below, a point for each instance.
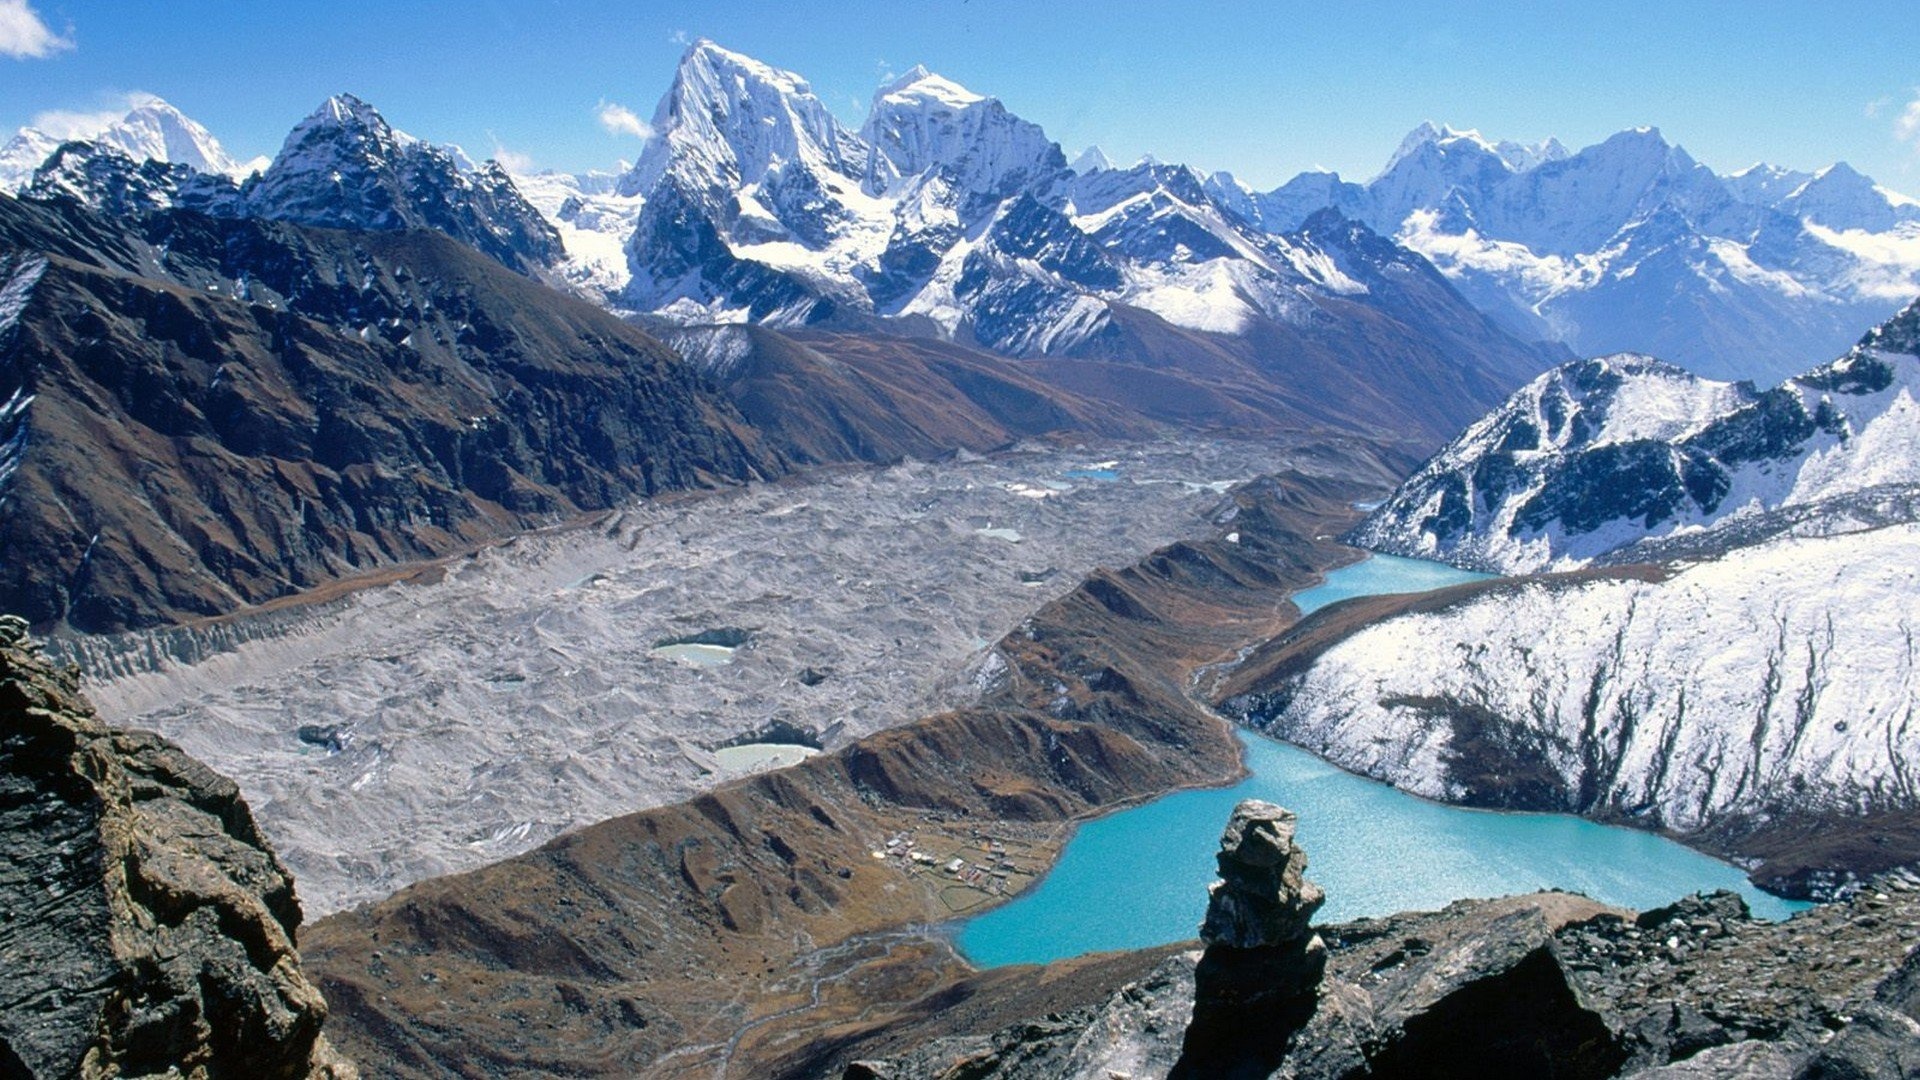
(1550, 984)
(1259, 977)
(145, 927)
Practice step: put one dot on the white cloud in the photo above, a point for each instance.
(677, 37)
(1906, 126)
(620, 120)
(85, 124)
(513, 161)
(24, 36)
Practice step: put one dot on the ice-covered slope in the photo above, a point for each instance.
(921, 122)
(1773, 686)
(1632, 245)
(1600, 455)
(593, 222)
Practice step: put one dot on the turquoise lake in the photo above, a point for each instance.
(1378, 575)
(1139, 877)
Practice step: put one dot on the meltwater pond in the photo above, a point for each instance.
(1139, 877)
(1379, 574)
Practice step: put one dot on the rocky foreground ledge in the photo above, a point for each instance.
(146, 929)
(1550, 984)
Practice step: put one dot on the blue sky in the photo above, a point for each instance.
(1264, 89)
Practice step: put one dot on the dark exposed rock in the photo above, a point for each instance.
(147, 928)
(113, 183)
(1544, 985)
(344, 167)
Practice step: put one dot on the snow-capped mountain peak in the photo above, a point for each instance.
(1524, 156)
(1516, 156)
(156, 131)
(1092, 160)
(728, 120)
(1598, 456)
(919, 84)
(22, 154)
(1763, 184)
(341, 121)
(922, 122)
(1426, 132)
(151, 130)
(1840, 197)
(345, 166)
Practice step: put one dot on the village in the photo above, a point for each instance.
(981, 867)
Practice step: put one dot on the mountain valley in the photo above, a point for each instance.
(459, 619)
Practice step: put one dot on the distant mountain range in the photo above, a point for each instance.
(1631, 245)
(945, 214)
(945, 217)
(940, 278)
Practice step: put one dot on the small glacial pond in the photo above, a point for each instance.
(697, 654)
(755, 757)
(1139, 877)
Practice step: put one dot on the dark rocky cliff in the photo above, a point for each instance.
(148, 929)
(204, 413)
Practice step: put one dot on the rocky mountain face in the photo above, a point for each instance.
(150, 929)
(1624, 457)
(1259, 977)
(946, 214)
(826, 396)
(1632, 245)
(1550, 984)
(344, 167)
(203, 413)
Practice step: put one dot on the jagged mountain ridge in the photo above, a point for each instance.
(1602, 458)
(343, 167)
(1632, 245)
(947, 214)
(944, 207)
